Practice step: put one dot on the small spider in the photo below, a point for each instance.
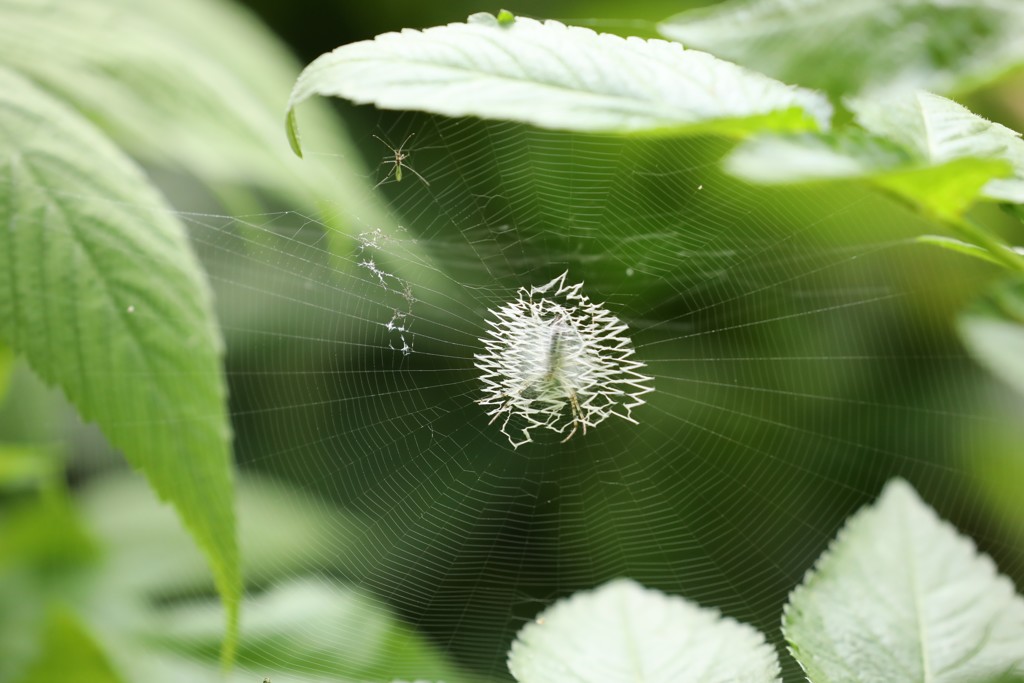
(550, 348)
(553, 377)
(398, 163)
(554, 373)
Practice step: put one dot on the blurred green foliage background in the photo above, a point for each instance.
(803, 349)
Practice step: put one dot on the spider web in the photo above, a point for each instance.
(801, 349)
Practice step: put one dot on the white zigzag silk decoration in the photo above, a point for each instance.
(555, 360)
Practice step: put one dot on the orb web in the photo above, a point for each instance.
(798, 341)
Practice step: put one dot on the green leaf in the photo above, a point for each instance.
(279, 533)
(900, 595)
(849, 47)
(946, 190)
(70, 655)
(26, 467)
(45, 536)
(191, 85)
(924, 148)
(1015, 210)
(993, 331)
(850, 153)
(960, 247)
(625, 632)
(46, 557)
(555, 76)
(937, 130)
(340, 632)
(105, 298)
(996, 468)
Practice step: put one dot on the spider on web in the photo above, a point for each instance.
(553, 359)
(398, 162)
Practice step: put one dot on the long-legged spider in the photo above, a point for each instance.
(398, 162)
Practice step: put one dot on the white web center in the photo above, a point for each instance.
(555, 360)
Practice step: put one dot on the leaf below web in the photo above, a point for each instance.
(623, 632)
(556, 76)
(104, 297)
(306, 628)
(900, 595)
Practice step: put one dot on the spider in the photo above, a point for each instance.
(554, 373)
(554, 369)
(552, 346)
(398, 163)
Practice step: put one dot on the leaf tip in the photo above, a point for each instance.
(900, 489)
(617, 614)
(291, 127)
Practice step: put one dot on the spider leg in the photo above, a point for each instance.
(577, 415)
(389, 173)
(415, 173)
(579, 411)
(571, 432)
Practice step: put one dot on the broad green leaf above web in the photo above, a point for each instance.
(555, 76)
